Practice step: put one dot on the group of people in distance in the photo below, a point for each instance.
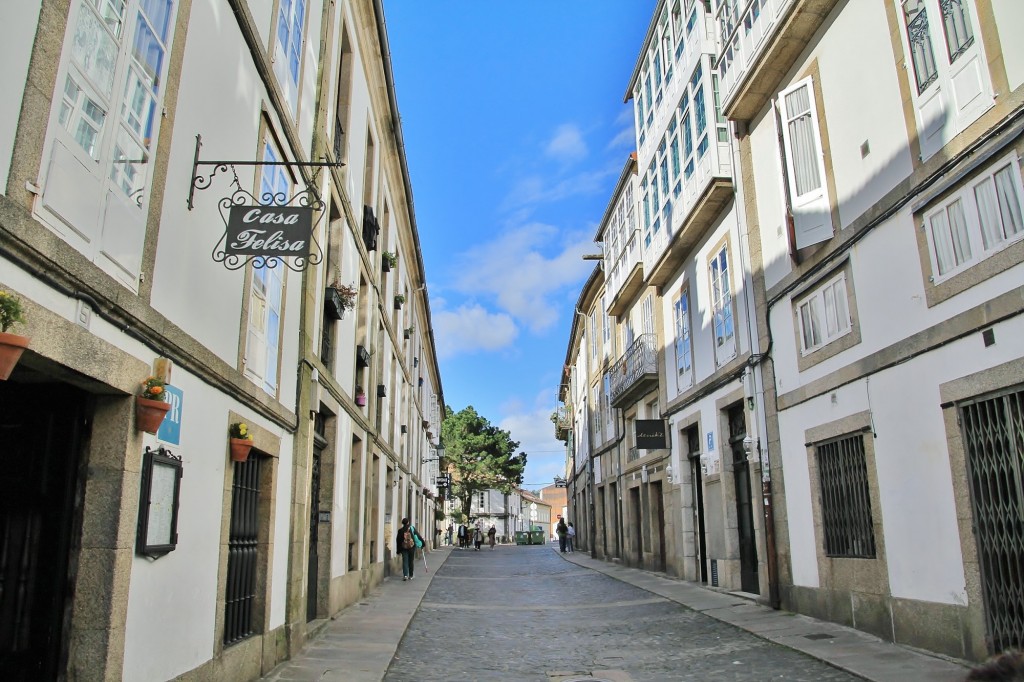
(566, 535)
(473, 536)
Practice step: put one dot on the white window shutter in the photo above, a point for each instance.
(805, 165)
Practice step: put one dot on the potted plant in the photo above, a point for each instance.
(389, 260)
(408, 331)
(151, 405)
(399, 300)
(360, 396)
(338, 298)
(239, 441)
(11, 345)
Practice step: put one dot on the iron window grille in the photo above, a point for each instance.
(240, 591)
(845, 498)
(993, 435)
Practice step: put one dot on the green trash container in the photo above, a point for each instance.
(522, 537)
(536, 537)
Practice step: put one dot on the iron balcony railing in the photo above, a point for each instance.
(637, 364)
(562, 419)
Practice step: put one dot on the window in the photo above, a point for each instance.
(265, 300)
(240, 594)
(291, 22)
(105, 127)
(846, 521)
(950, 83)
(982, 218)
(684, 351)
(721, 294)
(824, 315)
(805, 168)
(700, 113)
(593, 333)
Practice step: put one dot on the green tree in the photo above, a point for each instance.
(479, 455)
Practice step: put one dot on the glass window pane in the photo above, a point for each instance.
(128, 166)
(148, 54)
(94, 50)
(956, 22)
(958, 232)
(940, 243)
(1009, 202)
(920, 41)
(159, 14)
(988, 213)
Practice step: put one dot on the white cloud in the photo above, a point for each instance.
(470, 328)
(567, 145)
(514, 270)
(534, 189)
(625, 138)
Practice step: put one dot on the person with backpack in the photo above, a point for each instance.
(406, 545)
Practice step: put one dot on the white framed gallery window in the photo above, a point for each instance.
(103, 129)
(291, 30)
(805, 164)
(683, 341)
(949, 82)
(266, 294)
(983, 217)
(724, 325)
(824, 315)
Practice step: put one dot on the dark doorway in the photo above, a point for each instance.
(312, 569)
(39, 462)
(638, 524)
(658, 514)
(700, 543)
(744, 505)
(613, 523)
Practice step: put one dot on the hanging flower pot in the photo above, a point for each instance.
(240, 448)
(11, 345)
(11, 348)
(239, 441)
(360, 397)
(149, 414)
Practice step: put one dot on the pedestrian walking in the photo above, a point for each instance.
(490, 536)
(462, 535)
(478, 538)
(562, 531)
(448, 535)
(406, 544)
(570, 537)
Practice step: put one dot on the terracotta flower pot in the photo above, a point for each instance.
(149, 414)
(240, 448)
(11, 348)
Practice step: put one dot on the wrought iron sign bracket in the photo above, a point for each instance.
(200, 182)
(269, 230)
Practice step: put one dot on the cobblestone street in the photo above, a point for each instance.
(524, 613)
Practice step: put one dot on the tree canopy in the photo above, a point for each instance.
(479, 455)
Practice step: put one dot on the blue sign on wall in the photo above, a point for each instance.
(170, 428)
(711, 441)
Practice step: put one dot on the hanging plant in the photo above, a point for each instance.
(151, 404)
(340, 298)
(389, 261)
(11, 345)
(399, 300)
(239, 441)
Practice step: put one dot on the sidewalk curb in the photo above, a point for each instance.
(845, 648)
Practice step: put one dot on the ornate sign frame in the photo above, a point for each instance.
(307, 198)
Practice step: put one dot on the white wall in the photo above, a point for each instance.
(17, 34)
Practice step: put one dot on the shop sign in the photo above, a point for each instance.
(269, 231)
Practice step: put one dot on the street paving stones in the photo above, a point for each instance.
(525, 613)
(531, 613)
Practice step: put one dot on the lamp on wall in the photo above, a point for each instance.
(438, 454)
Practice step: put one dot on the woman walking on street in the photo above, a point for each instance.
(406, 544)
(570, 537)
(562, 531)
(490, 536)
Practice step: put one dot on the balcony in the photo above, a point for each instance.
(760, 42)
(562, 420)
(636, 372)
(626, 277)
(717, 193)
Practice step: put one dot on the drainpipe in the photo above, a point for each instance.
(753, 385)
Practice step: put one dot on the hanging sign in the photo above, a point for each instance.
(269, 231)
(650, 434)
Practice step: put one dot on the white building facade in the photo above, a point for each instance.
(112, 235)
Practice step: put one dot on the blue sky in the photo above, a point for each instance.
(515, 133)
